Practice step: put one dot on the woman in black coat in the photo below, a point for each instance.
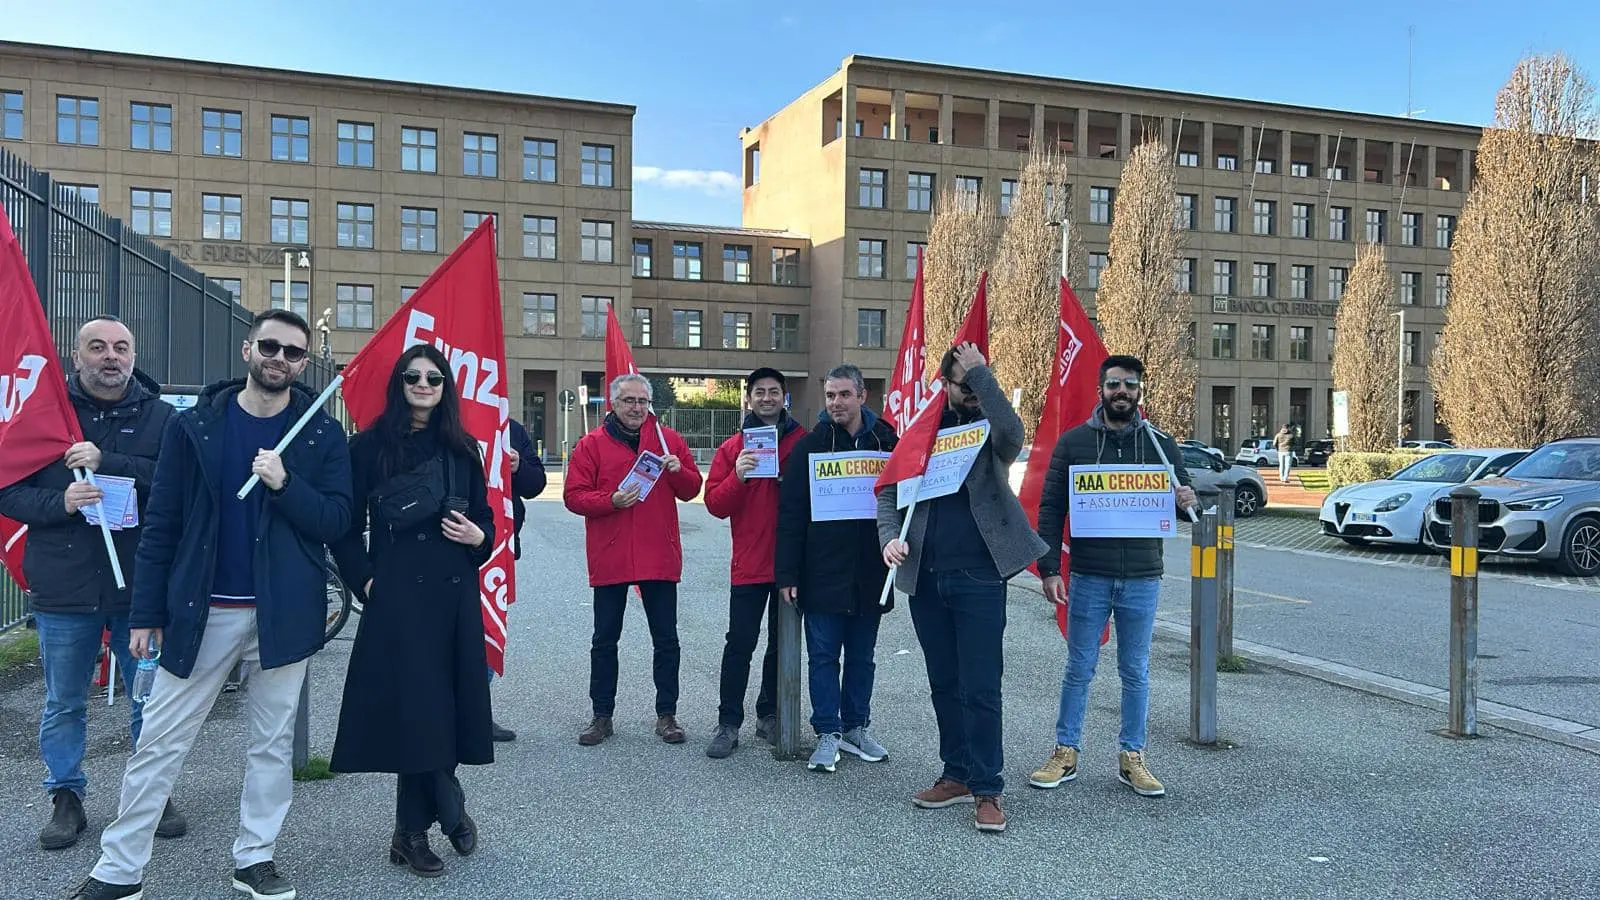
(416, 701)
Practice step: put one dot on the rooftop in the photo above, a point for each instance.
(719, 229)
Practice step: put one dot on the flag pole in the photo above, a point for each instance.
(105, 530)
(293, 432)
(1172, 473)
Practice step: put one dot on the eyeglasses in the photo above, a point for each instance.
(269, 348)
(412, 376)
(634, 401)
(1131, 384)
(963, 386)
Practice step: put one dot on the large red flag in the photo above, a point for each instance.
(619, 357)
(906, 387)
(37, 422)
(458, 311)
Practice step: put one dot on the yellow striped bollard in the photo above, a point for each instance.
(1464, 612)
(1203, 609)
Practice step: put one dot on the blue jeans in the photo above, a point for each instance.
(69, 645)
(1131, 602)
(960, 618)
(840, 704)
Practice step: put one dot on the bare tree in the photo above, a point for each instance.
(1525, 274)
(1365, 347)
(961, 244)
(1138, 304)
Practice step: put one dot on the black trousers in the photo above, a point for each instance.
(661, 611)
(747, 603)
(423, 798)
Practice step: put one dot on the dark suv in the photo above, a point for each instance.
(1316, 453)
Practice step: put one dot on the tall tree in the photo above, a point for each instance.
(961, 244)
(1365, 351)
(1138, 305)
(1525, 274)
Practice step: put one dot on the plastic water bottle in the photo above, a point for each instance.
(144, 677)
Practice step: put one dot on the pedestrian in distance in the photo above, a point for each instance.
(1284, 443)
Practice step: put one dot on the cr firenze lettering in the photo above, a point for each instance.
(231, 254)
(1283, 307)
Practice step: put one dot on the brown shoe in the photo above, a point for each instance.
(943, 793)
(667, 728)
(598, 730)
(988, 816)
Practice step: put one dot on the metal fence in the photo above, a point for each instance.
(703, 430)
(85, 263)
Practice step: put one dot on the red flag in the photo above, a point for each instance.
(906, 388)
(910, 456)
(458, 310)
(619, 358)
(37, 422)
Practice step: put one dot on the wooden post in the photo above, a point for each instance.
(1464, 612)
(1203, 623)
(789, 681)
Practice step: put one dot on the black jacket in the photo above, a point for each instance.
(526, 483)
(837, 566)
(65, 557)
(177, 554)
(1092, 443)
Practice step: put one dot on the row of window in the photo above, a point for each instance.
(150, 128)
(1264, 346)
(1302, 218)
(872, 190)
(1264, 280)
(540, 319)
(688, 258)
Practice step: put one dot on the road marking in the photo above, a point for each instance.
(1239, 590)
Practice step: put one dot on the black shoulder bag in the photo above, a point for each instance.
(410, 498)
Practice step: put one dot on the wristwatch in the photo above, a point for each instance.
(281, 487)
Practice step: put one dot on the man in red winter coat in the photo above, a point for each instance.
(738, 490)
(631, 538)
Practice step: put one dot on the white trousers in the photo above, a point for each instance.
(172, 718)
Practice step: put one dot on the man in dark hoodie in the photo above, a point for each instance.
(834, 571)
(751, 505)
(73, 592)
(527, 482)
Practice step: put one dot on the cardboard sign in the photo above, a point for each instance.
(955, 449)
(1114, 501)
(841, 485)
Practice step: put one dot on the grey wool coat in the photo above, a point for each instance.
(1012, 542)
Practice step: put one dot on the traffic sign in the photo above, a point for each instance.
(567, 399)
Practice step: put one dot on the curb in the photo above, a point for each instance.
(1291, 512)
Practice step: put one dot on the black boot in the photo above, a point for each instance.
(499, 733)
(412, 850)
(66, 822)
(173, 824)
(465, 836)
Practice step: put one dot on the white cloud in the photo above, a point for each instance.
(710, 182)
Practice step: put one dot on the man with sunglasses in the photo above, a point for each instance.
(1112, 578)
(219, 580)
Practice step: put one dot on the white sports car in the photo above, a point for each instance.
(1392, 510)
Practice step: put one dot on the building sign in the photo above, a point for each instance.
(1281, 307)
(228, 253)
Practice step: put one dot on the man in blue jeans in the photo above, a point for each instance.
(72, 590)
(1112, 578)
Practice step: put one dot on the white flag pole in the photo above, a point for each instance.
(313, 409)
(905, 528)
(105, 530)
(1155, 438)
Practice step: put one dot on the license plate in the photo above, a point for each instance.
(1363, 517)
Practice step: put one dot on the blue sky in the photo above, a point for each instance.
(699, 70)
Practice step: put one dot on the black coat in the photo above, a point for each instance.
(65, 557)
(416, 696)
(837, 566)
(527, 482)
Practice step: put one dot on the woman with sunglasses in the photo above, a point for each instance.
(415, 699)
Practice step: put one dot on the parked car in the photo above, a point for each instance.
(1393, 510)
(1250, 492)
(1546, 507)
(1427, 445)
(1200, 445)
(1258, 452)
(1316, 453)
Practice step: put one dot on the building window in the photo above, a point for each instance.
(150, 127)
(686, 262)
(299, 298)
(291, 139)
(222, 132)
(1338, 173)
(419, 229)
(1267, 166)
(1097, 267)
(592, 312)
(1100, 200)
(1411, 229)
(354, 140)
(597, 160)
(1441, 289)
(870, 183)
(1445, 232)
(1332, 333)
(641, 258)
(869, 327)
(222, 217)
(1183, 276)
(470, 221)
(595, 241)
(919, 191)
(736, 331)
(1227, 162)
(539, 314)
(785, 265)
(1261, 341)
(1300, 220)
(88, 193)
(353, 305)
(539, 160)
(152, 212)
(1265, 214)
(1339, 223)
(78, 121)
(355, 225)
(1262, 276)
(1410, 284)
(1300, 343)
(1008, 193)
(419, 149)
(968, 189)
(480, 155)
(233, 286)
(1223, 210)
(911, 257)
(1300, 169)
(1411, 350)
(1188, 159)
(291, 221)
(539, 237)
(641, 326)
(1300, 282)
(736, 264)
(1222, 272)
(1377, 220)
(11, 115)
(686, 328)
(1222, 340)
(786, 332)
(869, 258)
(405, 293)
(1337, 276)
(1184, 218)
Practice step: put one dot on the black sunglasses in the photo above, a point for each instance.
(1131, 384)
(412, 376)
(269, 348)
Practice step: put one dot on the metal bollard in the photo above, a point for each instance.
(302, 724)
(789, 681)
(1464, 612)
(1203, 623)
(1225, 516)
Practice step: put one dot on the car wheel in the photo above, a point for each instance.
(1246, 501)
(1580, 549)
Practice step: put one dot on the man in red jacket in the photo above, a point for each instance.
(631, 536)
(738, 490)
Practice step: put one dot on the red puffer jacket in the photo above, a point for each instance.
(752, 506)
(640, 543)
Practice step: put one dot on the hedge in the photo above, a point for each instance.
(1347, 467)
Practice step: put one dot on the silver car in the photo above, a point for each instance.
(1547, 507)
(1206, 471)
(1392, 510)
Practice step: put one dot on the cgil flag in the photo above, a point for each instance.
(619, 356)
(907, 390)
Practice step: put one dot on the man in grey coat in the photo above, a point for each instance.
(959, 553)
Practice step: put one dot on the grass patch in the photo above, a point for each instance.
(315, 769)
(18, 648)
(1234, 664)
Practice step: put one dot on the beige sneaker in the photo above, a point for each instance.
(1063, 766)
(1132, 772)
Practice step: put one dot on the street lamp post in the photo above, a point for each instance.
(1400, 383)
